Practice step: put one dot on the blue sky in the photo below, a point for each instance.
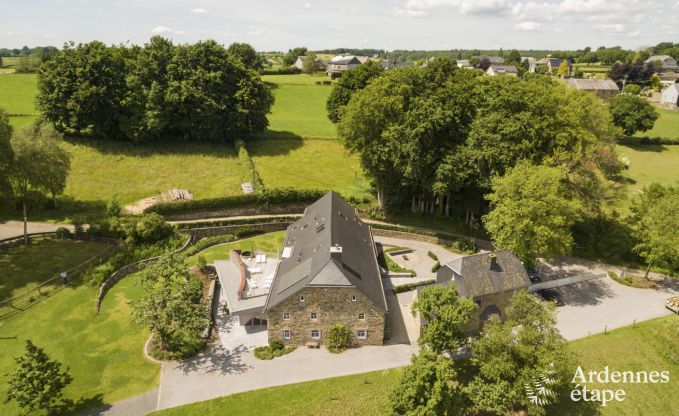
(319, 24)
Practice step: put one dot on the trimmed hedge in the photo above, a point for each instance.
(263, 199)
(227, 222)
(432, 255)
(435, 267)
(648, 141)
(410, 286)
(288, 70)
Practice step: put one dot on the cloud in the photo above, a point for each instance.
(307, 5)
(528, 26)
(164, 30)
(198, 11)
(486, 7)
(12, 33)
(610, 28)
(635, 33)
(418, 8)
(49, 35)
(256, 32)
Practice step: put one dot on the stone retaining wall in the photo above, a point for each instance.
(267, 227)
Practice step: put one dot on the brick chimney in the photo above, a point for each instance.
(493, 261)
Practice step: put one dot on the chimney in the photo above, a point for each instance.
(493, 261)
(336, 252)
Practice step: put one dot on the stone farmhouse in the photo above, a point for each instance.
(494, 70)
(327, 273)
(553, 65)
(532, 62)
(603, 88)
(668, 63)
(320, 63)
(670, 96)
(489, 279)
(340, 64)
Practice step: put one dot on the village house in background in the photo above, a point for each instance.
(668, 78)
(668, 63)
(494, 60)
(603, 88)
(553, 65)
(340, 64)
(502, 70)
(490, 279)
(327, 274)
(320, 63)
(532, 62)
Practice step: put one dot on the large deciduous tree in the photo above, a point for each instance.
(38, 381)
(632, 113)
(39, 165)
(351, 81)
(533, 212)
(246, 54)
(655, 222)
(6, 154)
(291, 56)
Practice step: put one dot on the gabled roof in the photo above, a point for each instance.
(476, 276)
(345, 60)
(504, 69)
(495, 60)
(530, 59)
(328, 247)
(593, 84)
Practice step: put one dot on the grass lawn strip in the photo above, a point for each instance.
(271, 243)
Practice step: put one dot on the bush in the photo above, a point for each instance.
(229, 222)
(339, 338)
(435, 267)
(247, 232)
(202, 262)
(410, 286)
(289, 70)
(267, 353)
(432, 255)
(63, 233)
(632, 89)
(148, 228)
(276, 345)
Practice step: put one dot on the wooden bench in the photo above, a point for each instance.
(313, 344)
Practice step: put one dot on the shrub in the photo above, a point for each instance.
(276, 345)
(63, 233)
(247, 232)
(267, 353)
(435, 267)
(339, 338)
(202, 262)
(410, 286)
(432, 255)
(289, 70)
(632, 89)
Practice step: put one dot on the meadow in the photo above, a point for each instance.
(650, 163)
(17, 97)
(666, 126)
(651, 345)
(271, 243)
(104, 352)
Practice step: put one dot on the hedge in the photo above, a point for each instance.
(263, 200)
(228, 222)
(458, 242)
(435, 267)
(288, 70)
(410, 286)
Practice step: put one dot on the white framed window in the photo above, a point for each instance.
(362, 333)
(286, 334)
(315, 334)
(313, 316)
(301, 298)
(353, 298)
(286, 316)
(361, 317)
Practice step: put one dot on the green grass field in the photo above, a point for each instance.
(651, 163)
(666, 126)
(104, 352)
(652, 345)
(17, 97)
(300, 106)
(363, 394)
(269, 243)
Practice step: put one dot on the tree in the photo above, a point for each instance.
(339, 338)
(310, 63)
(37, 382)
(484, 63)
(6, 154)
(564, 69)
(629, 72)
(513, 58)
(291, 56)
(427, 387)
(351, 81)
(655, 83)
(246, 54)
(445, 315)
(654, 222)
(39, 165)
(532, 212)
(475, 61)
(172, 306)
(632, 113)
(513, 354)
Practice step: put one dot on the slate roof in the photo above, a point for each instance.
(495, 60)
(593, 84)
(344, 60)
(473, 276)
(504, 69)
(330, 247)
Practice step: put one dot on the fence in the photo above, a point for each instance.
(53, 284)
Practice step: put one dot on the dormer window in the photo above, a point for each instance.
(353, 298)
(301, 299)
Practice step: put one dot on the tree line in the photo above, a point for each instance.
(155, 92)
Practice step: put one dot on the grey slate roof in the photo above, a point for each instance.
(473, 276)
(506, 69)
(593, 84)
(345, 60)
(328, 223)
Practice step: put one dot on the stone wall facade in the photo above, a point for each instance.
(499, 300)
(331, 305)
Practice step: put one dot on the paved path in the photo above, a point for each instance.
(16, 228)
(420, 261)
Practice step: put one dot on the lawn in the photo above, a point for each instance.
(24, 267)
(651, 345)
(17, 97)
(309, 164)
(362, 394)
(104, 352)
(666, 126)
(269, 243)
(300, 106)
(650, 163)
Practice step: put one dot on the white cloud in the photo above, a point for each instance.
(635, 33)
(12, 33)
(610, 28)
(256, 32)
(164, 30)
(198, 11)
(487, 7)
(49, 35)
(528, 26)
(307, 5)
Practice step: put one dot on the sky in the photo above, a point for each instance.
(324, 24)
